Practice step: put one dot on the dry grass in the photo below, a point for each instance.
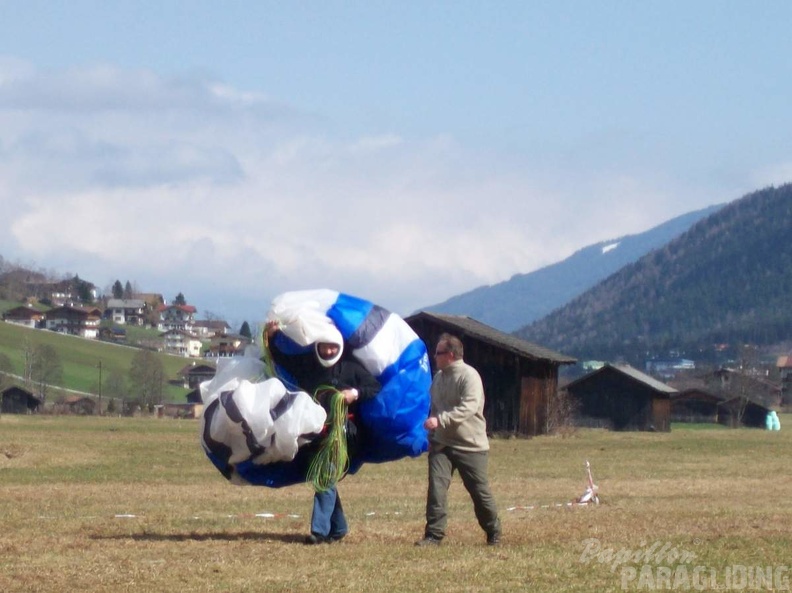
(109, 505)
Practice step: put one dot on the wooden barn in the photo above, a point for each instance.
(18, 400)
(622, 398)
(743, 411)
(696, 405)
(520, 378)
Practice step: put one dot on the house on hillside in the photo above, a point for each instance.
(126, 311)
(207, 328)
(181, 343)
(621, 397)
(176, 317)
(153, 302)
(24, 315)
(76, 321)
(227, 345)
(18, 400)
(195, 374)
(520, 378)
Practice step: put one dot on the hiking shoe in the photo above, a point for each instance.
(313, 540)
(494, 539)
(428, 541)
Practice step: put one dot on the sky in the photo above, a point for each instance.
(403, 152)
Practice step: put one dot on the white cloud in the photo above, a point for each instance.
(230, 198)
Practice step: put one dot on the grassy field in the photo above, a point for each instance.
(109, 505)
(80, 358)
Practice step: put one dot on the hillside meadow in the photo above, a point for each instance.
(103, 504)
(80, 358)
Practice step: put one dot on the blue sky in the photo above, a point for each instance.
(404, 152)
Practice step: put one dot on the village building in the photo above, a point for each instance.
(126, 311)
(24, 315)
(75, 321)
(520, 378)
(176, 317)
(621, 397)
(195, 374)
(207, 328)
(227, 345)
(18, 400)
(181, 343)
(76, 404)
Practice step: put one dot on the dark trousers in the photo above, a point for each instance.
(327, 518)
(472, 468)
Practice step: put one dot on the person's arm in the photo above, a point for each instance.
(357, 383)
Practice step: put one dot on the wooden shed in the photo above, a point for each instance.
(743, 411)
(622, 398)
(520, 378)
(18, 400)
(695, 405)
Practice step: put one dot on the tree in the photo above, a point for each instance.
(6, 369)
(45, 369)
(147, 378)
(245, 330)
(114, 388)
(179, 300)
(129, 292)
(118, 290)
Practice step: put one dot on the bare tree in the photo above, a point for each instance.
(6, 369)
(147, 378)
(45, 369)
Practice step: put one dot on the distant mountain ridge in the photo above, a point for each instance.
(524, 298)
(724, 283)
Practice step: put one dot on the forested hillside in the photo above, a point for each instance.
(524, 298)
(725, 281)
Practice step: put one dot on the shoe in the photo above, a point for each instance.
(494, 539)
(313, 540)
(428, 541)
(335, 538)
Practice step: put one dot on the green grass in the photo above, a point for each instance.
(80, 358)
(117, 504)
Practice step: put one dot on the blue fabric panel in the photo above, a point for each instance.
(393, 420)
(348, 312)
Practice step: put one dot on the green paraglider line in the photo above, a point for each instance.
(331, 461)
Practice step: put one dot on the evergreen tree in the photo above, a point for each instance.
(179, 300)
(245, 330)
(118, 290)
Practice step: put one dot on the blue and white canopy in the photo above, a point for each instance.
(248, 450)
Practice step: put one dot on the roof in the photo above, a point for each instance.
(475, 329)
(126, 304)
(185, 308)
(197, 368)
(631, 372)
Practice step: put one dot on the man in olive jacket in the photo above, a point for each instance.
(458, 441)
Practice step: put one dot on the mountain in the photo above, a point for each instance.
(727, 280)
(524, 298)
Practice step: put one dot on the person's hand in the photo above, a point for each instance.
(350, 395)
(272, 328)
(431, 423)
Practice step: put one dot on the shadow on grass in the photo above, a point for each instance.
(287, 538)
